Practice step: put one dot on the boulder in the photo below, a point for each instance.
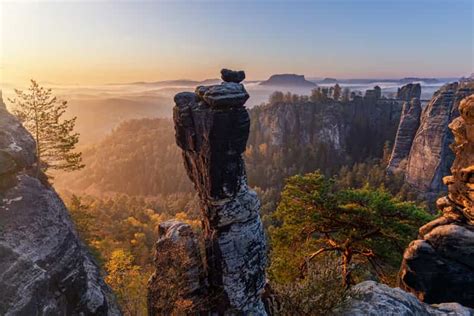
(225, 95)
(232, 76)
(374, 299)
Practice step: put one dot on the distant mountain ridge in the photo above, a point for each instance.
(288, 80)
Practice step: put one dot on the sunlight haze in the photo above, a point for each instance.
(104, 42)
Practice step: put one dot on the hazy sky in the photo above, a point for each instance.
(99, 42)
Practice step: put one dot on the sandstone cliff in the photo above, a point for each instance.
(439, 266)
(44, 268)
(212, 127)
(430, 157)
(409, 123)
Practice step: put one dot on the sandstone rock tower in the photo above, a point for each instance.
(439, 266)
(212, 127)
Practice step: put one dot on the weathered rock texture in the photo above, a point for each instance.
(430, 157)
(44, 268)
(439, 266)
(212, 127)
(409, 123)
(409, 91)
(375, 299)
(179, 270)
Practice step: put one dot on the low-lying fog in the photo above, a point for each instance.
(99, 108)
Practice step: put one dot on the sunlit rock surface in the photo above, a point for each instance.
(409, 123)
(430, 156)
(44, 268)
(439, 266)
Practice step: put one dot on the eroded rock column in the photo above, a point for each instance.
(439, 266)
(212, 127)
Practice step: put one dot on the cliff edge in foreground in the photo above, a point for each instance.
(44, 268)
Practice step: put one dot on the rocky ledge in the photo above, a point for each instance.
(44, 268)
(374, 299)
(212, 127)
(439, 266)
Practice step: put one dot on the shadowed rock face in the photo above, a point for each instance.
(409, 123)
(212, 127)
(439, 267)
(179, 270)
(44, 268)
(430, 156)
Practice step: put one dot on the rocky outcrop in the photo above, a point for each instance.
(179, 270)
(44, 268)
(374, 299)
(439, 266)
(212, 127)
(409, 91)
(288, 80)
(409, 123)
(287, 138)
(430, 157)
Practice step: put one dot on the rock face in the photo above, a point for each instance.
(439, 266)
(212, 127)
(378, 299)
(44, 268)
(409, 123)
(323, 135)
(179, 269)
(421, 150)
(288, 80)
(409, 91)
(232, 76)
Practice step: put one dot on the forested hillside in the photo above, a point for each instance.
(297, 134)
(138, 158)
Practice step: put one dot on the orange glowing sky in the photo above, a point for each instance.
(101, 42)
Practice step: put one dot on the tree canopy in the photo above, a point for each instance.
(364, 227)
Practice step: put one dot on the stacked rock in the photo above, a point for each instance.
(212, 127)
(439, 267)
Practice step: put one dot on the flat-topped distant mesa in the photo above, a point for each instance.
(288, 80)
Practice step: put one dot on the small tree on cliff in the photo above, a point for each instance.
(41, 113)
(363, 227)
(337, 92)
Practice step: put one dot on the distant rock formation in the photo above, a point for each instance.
(430, 157)
(409, 91)
(409, 123)
(44, 268)
(212, 127)
(379, 299)
(286, 80)
(439, 266)
(179, 270)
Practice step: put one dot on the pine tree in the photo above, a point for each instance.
(337, 92)
(41, 114)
